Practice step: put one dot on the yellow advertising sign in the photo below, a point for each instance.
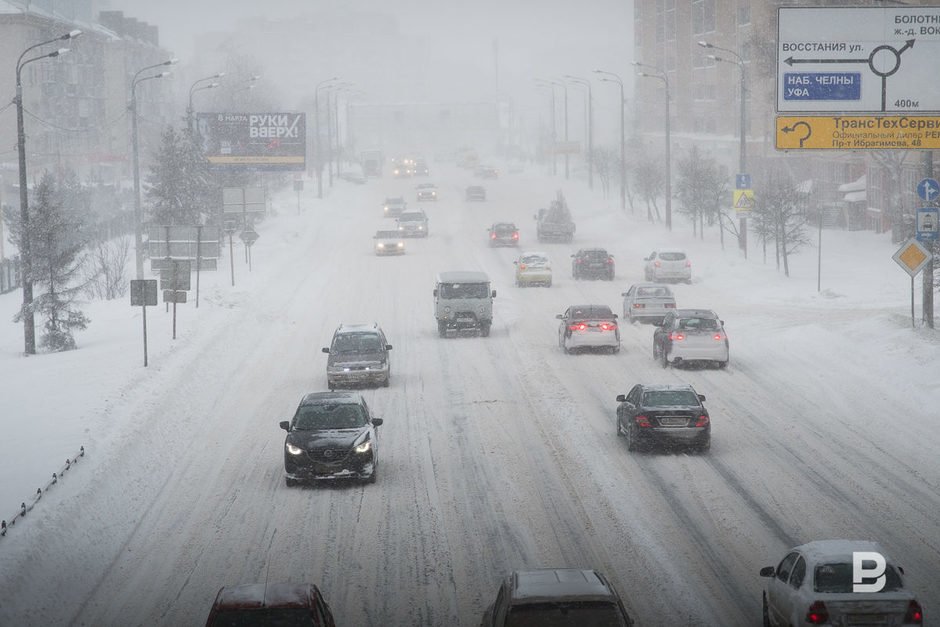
(858, 132)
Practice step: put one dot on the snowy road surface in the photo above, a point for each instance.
(497, 453)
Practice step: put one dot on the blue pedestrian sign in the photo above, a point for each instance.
(928, 189)
(928, 224)
(742, 181)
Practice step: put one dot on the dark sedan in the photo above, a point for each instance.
(665, 414)
(592, 263)
(331, 436)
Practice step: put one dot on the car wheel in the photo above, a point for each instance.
(290, 482)
(631, 440)
(614, 350)
(766, 612)
(387, 380)
(549, 284)
(722, 365)
(485, 330)
(704, 446)
(655, 351)
(619, 428)
(375, 474)
(665, 359)
(441, 331)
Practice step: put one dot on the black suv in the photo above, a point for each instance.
(358, 355)
(331, 436)
(592, 263)
(562, 596)
(668, 414)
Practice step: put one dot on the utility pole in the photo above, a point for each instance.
(933, 248)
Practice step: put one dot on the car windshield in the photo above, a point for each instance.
(328, 416)
(595, 255)
(669, 398)
(356, 343)
(653, 292)
(593, 614)
(672, 256)
(534, 260)
(698, 324)
(411, 217)
(837, 579)
(464, 290)
(590, 313)
(504, 228)
(269, 617)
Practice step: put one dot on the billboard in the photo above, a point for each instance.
(255, 141)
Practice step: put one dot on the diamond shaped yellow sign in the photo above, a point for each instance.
(912, 257)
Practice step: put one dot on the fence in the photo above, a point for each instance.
(24, 508)
(9, 275)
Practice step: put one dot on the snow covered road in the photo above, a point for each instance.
(496, 453)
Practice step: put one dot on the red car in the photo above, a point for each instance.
(272, 604)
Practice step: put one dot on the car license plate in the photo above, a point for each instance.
(673, 422)
(867, 619)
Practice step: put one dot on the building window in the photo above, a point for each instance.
(744, 14)
(703, 16)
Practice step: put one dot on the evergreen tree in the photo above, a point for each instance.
(180, 186)
(57, 234)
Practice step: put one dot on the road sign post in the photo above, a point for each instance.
(249, 236)
(144, 294)
(912, 257)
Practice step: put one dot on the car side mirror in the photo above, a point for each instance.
(701, 397)
(572, 256)
(615, 316)
(325, 350)
(623, 293)
(493, 294)
(377, 422)
(435, 292)
(767, 571)
(621, 398)
(722, 322)
(515, 263)
(560, 316)
(388, 347)
(285, 424)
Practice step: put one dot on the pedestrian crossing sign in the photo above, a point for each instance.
(743, 202)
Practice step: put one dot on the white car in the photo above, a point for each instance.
(388, 243)
(426, 191)
(413, 223)
(533, 268)
(648, 302)
(813, 584)
(691, 335)
(588, 326)
(668, 264)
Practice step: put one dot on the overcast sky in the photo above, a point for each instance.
(453, 40)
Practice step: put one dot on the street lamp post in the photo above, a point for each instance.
(138, 211)
(551, 86)
(742, 149)
(661, 75)
(190, 113)
(26, 261)
(590, 126)
(318, 158)
(623, 145)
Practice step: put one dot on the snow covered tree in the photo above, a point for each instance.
(57, 234)
(180, 186)
(605, 162)
(649, 182)
(701, 188)
(779, 215)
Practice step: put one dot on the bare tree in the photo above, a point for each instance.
(108, 261)
(779, 214)
(650, 182)
(606, 162)
(702, 189)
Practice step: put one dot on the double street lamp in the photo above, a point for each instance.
(589, 126)
(661, 75)
(742, 150)
(29, 324)
(548, 85)
(610, 77)
(197, 86)
(318, 152)
(564, 86)
(138, 212)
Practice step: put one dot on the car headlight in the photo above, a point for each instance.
(401, 244)
(380, 245)
(401, 228)
(420, 228)
(293, 450)
(365, 447)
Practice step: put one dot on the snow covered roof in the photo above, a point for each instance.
(857, 185)
(837, 550)
(463, 276)
(858, 196)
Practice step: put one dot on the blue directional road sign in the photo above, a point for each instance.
(928, 224)
(742, 181)
(928, 189)
(822, 85)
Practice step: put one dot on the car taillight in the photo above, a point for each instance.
(719, 336)
(522, 266)
(915, 614)
(610, 261)
(670, 305)
(639, 306)
(578, 260)
(642, 421)
(657, 264)
(817, 614)
(608, 326)
(515, 235)
(492, 235)
(702, 421)
(688, 264)
(577, 327)
(676, 337)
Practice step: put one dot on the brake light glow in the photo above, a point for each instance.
(817, 614)
(702, 421)
(610, 260)
(688, 264)
(577, 327)
(719, 336)
(515, 235)
(493, 235)
(639, 306)
(676, 337)
(642, 421)
(657, 264)
(608, 326)
(915, 615)
(522, 266)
